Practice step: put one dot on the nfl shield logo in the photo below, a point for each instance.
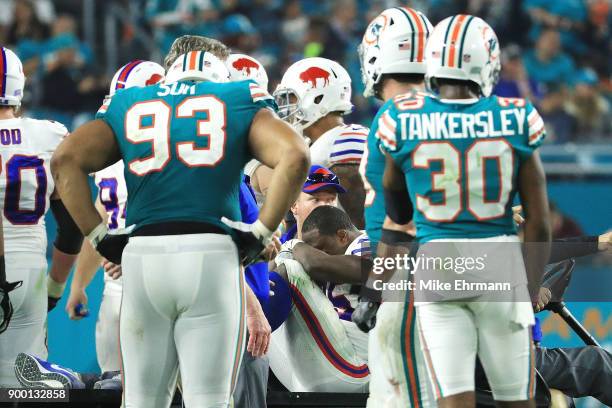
(467, 58)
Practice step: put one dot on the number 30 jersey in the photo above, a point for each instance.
(184, 146)
(461, 160)
(26, 184)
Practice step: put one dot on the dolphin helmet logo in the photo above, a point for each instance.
(245, 64)
(312, 74)
(376, 27)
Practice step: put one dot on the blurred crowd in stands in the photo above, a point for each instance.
(556, 52)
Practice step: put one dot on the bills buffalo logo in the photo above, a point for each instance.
(312, 74)
(245, 64)
(155, 78)
(374, 30)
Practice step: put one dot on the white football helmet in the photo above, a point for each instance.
(310, 89)
(136, 73)
(12, 79)
(197, 66)
(463, 47)
(242, 66)
(393, 43)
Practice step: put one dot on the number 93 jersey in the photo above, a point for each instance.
(184, 146)
(461, 160)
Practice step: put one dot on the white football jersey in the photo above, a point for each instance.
(26, 183)
(341, 145)
(112, 192)
(340, 295)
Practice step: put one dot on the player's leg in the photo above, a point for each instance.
(316, 352)
(399, 376)
(210, 330)
(449, 344)
(107, 331)
(26, 331)
(511, 373)
(147, 316)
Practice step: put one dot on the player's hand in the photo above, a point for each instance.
(544, 297)
(286, 250)
(111, 269)
(110, 246)
(364, 315)
(516, 214)
(251, 239)
(77, 297)
(272, 249)
(259, 334)
(605, 241)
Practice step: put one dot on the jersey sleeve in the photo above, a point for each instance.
(387, 129)
(103, 108)
(260, 98)
(534, 131)
(348, 146)
(113, 115)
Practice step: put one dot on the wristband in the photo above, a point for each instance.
(54, 289)
(97, 234)
(261, 232)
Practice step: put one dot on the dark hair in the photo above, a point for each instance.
(474, 87)
(327, 220)
(414, 79)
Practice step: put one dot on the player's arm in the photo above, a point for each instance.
(261, 179)
(275, 144)
(354, 199)
(87, 264)
(90, 148)
(398, 205)
(66, 247)
(258, 327)
(532, 191)
(331, 268)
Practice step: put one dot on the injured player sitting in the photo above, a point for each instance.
(318, 348)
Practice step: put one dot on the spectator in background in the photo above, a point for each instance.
(590, 110)
(342, 30)
(294, 24)
(548, 65)
(26, 24)
(569, 17)
(171, 19)
(514, 81)
(69, 85)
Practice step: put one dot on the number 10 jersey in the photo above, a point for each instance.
(461, 160)
(26, 184)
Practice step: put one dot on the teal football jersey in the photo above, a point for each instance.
(461, 160)
(372, 169)
(184, 146)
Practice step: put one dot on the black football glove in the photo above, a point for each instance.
(251, 240)
(364, 315)
(6, 308)
(110, 246)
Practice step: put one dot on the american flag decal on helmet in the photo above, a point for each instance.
(258, 93)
